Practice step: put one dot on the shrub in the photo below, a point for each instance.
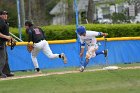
(68, 32)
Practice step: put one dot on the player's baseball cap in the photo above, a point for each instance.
(81, 30)
(3, 12)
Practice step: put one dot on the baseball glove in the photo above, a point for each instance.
(11, 43)
(30, 47)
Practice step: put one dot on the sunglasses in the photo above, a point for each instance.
(5, 14)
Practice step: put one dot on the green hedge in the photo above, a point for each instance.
(68, 32)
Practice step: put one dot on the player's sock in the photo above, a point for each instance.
(59, 55)
(99, 52)
(85, 63)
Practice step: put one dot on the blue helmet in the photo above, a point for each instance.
(81, 30)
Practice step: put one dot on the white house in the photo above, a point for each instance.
(59, 14)
(102, 10)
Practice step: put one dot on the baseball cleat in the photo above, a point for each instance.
(64, 58)
(39, 72)
(10, 75)
(3, 76)
(82, 68)
(106, 52)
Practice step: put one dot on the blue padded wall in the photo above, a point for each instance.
(119, 52)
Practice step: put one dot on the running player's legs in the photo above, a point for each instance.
(34, 55)
(91, 51)
(47, 51)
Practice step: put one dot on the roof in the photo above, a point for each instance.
(59, 8)
(82, 5)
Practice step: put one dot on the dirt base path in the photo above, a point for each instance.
(64, 72)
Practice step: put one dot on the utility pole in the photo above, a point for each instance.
(19, 19)
(22, 13)
(29, 6)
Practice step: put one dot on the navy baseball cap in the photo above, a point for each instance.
(3, 12)
(81, 30)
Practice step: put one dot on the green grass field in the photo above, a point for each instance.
(117, 81)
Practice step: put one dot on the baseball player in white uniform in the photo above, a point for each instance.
(88, 38)
(36, 35)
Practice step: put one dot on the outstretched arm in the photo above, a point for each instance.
(104, 34)
(5, 36)
(95, 33)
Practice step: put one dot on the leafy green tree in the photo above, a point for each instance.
(118, 17)
(12, 11)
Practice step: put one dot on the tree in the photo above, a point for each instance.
(36, 11)
(49, 6)
(90, 12)
(118, 17)
(12, 11)
(70, 12)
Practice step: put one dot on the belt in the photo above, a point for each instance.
(91, 44)
(38, 41)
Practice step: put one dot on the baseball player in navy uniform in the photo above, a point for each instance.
(36, 35)
(88, 38)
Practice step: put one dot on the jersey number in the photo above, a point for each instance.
(37, 31)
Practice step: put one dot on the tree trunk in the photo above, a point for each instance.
(22, 13)
(70, 11)
(36, 11)
(90, 12)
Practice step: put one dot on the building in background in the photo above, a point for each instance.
(59, 14)
(103, 11)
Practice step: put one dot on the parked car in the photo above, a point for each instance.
(134, 21)
(105, 21)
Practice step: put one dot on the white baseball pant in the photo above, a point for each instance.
(44, 46)
(91, 51)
